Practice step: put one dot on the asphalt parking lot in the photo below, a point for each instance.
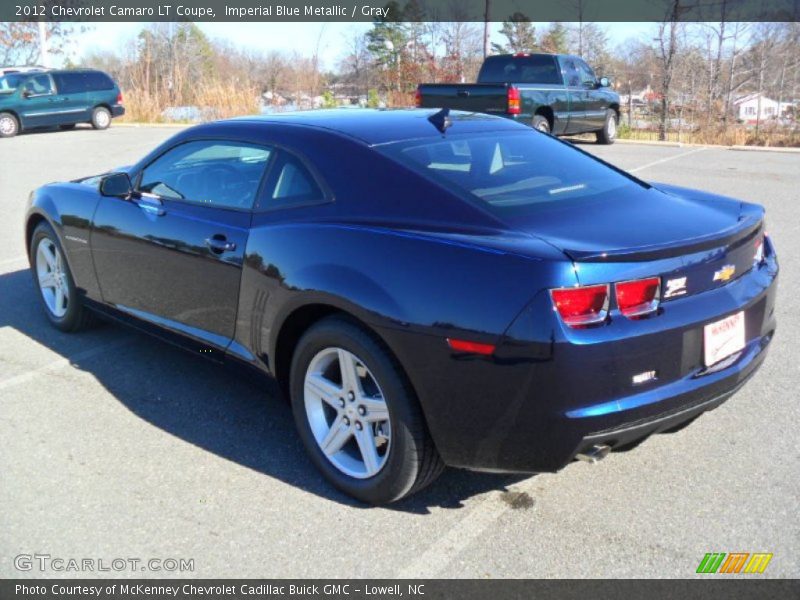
(115, 445)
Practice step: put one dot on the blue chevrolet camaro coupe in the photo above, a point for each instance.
(428, 288)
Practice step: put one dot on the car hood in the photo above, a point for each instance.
(641, 223)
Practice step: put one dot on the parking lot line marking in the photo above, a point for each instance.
(438, 556)
(667, 159)
(61, 363)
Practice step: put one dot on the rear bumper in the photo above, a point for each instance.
(705, 397)
(117, 110)
(549, 395)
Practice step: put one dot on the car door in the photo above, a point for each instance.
(172, 254)
(72, 97)
(39, 106)
(576, 94)
(594, 100)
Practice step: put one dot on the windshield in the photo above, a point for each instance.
(10, 82)
(511, 173)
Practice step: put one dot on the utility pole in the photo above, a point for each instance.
(44, 58)
(486, 30)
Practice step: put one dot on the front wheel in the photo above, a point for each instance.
(357, 415)
(608, 134)
(101, 117)
(62, 303)
(9, 126)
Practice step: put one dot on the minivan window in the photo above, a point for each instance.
(534, 68)
(10, 82)
(80, 82)
(39, 85)
(506, 172)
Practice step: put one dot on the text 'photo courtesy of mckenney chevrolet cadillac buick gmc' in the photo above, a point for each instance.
(428, 287)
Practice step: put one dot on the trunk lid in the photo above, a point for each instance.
(693, 240)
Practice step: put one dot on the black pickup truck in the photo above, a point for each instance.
(554, 93)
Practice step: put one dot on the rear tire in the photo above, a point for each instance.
(608, 134)
(326, 414)
(540, 123)
(101, 117)
(62, 304)
(9, 125)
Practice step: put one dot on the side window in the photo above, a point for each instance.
(587, 75)
(40, 84)
(209, 172)
(290, 183)
(96, 81)
(571, 74)
(68, 83)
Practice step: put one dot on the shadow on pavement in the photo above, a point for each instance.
(208, 405)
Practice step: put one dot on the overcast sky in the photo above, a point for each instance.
(293, 36)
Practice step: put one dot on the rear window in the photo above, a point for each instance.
(512, 173)
(79, 82)
(536, 68)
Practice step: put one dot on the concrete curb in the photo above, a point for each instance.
(765, 149)
(789, 150)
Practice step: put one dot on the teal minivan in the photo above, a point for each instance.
(57, 98)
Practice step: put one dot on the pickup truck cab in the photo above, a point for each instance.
(554, 93)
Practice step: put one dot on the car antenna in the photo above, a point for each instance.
(441, 120)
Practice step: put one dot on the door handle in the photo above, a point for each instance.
(219, 244)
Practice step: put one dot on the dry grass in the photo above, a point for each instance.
(215, 101)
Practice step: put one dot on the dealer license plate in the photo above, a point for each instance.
(723, 338)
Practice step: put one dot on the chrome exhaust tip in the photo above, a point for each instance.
(595, 454)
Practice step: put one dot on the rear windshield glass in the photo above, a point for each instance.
(536, 68)
(511, 173)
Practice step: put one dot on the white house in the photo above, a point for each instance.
(747, 108)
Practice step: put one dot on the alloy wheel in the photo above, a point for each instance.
(347, 413)
(52, 276)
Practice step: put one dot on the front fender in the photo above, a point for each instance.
(69, 209)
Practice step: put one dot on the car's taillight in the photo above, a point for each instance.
(119, 98)
(581, 306)
(471, 347)
(514, 104)
(639, 297)
(418, 99)
(758, 255)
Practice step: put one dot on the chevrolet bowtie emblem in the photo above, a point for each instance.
(725, 273)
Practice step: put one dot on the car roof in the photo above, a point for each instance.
(381, 126)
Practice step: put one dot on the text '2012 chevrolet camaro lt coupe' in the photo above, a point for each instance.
(428, 288)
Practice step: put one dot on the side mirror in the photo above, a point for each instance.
(116, 185)
(26, 94)
(604, 82)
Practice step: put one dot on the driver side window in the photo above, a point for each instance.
(208, 172)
